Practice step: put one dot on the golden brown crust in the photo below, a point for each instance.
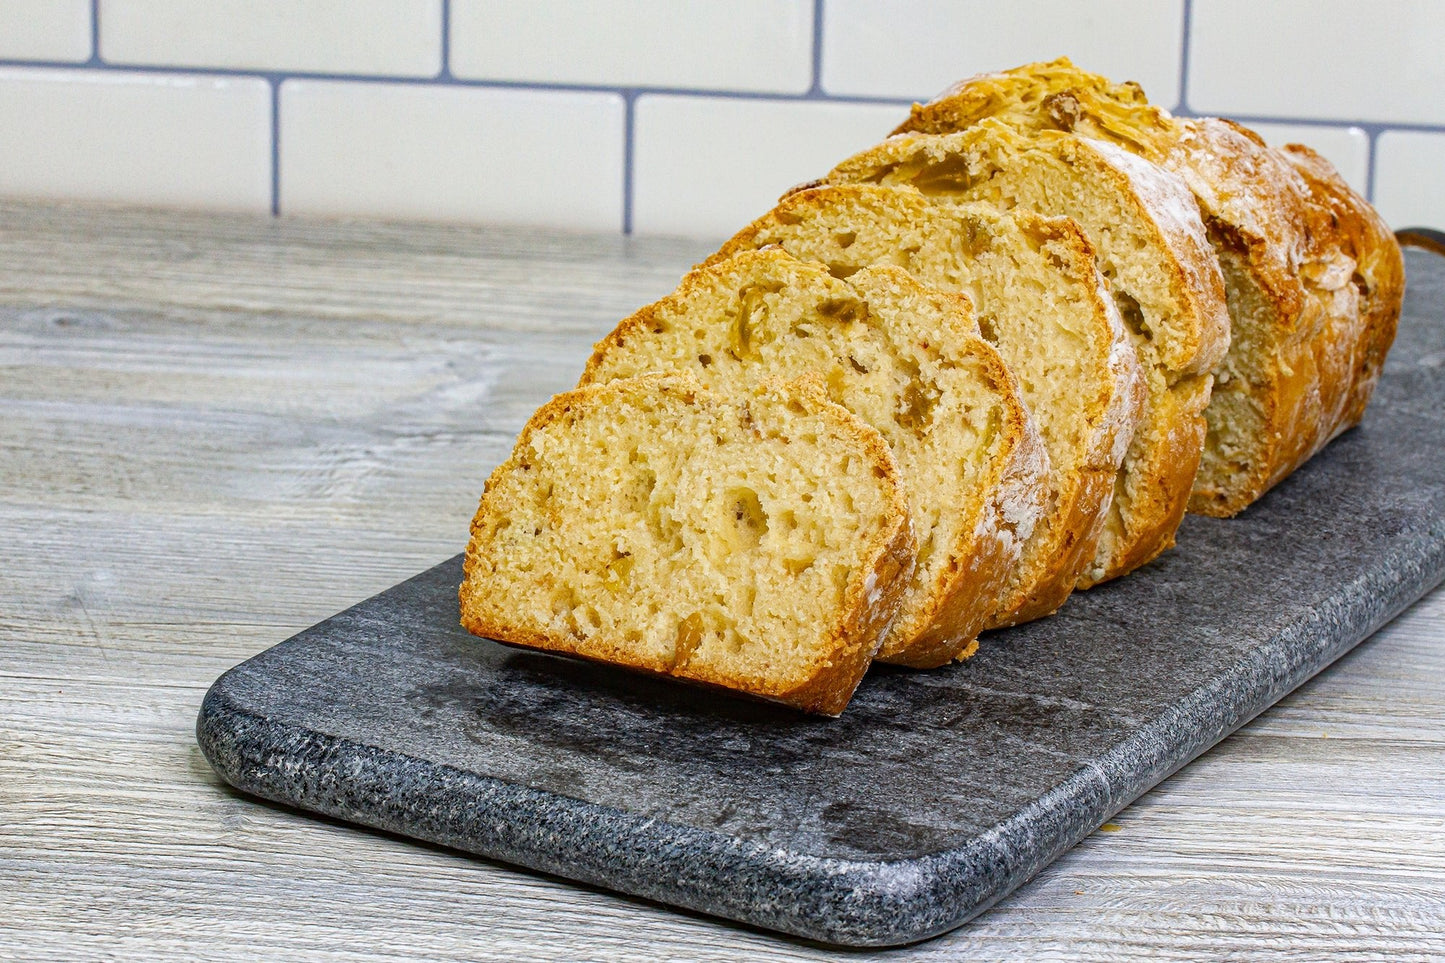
(1302, 357)
(1165, 202)
(1160, 487)
(1265, 219)
(871, 597)
(1379, 277)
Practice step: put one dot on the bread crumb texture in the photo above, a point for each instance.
(1040, 301)
(757, 543)
(907, 360)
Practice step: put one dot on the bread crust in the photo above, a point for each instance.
(1268, 220)
(870, 600)
(1379, 266)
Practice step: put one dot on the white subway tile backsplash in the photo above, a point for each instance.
(452, 153)
(158, 139)
(499, 110)
(1409, 188)
(1326, 59)
(45, 30)
(915, 48)
(1348, 148)
(750, 45)
(707, 166)
(392, 37)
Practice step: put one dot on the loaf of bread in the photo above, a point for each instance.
(983, 363)
(758, 543)
(1279, 395)
(908, 361)
(1145, 226)
(1040, 301)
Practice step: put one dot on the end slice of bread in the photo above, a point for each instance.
(1379, 276)
(760, 544)
(1040, 301)
(907, 360)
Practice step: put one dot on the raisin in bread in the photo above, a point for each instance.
(1287, 268)
(1040, 301)
(760, 543)
(1145, 226)
(908, 361)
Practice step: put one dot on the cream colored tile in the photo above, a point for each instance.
(915, 48)
(752, 45)
(45, 30)
(1348, 148)
(390, 37)
(707, 166)
(162, 139)
(1409, 187)
(452, 153)
(1326, 59)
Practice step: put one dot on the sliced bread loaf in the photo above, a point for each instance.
(1284, 261)
(1040, 301)
(756, 543)
(1145, 226)
(908, 361)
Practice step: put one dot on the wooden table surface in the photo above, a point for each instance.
(215, 431)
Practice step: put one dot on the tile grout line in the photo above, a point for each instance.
(276, 146)
(1372, 161)
(629, 152)
(446, 72)
(95, 35)
(1184, 39)
(815, 89)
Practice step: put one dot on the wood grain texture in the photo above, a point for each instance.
(216, 431)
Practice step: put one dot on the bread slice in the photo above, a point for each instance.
(1284, 264)
(1145, 226)
(908, 361)
(760, 544)
(1040, 301)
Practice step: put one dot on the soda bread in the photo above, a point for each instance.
(760, 544)
(1286, 261)
(1145, 226)
(809, 453)
(1040, 301)
(908, 361)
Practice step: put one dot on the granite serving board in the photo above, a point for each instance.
(936, 793)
